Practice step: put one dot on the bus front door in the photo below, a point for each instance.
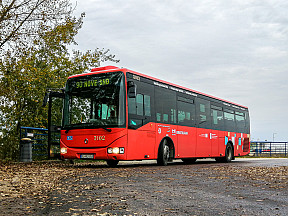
(141, 142)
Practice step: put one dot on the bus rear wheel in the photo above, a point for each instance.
(112, 163)
(228, 155)
(163, 153)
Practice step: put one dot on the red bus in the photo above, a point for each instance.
(115, 114)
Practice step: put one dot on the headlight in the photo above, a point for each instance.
(63, 151)
(115, 150)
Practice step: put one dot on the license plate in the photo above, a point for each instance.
(87, 156)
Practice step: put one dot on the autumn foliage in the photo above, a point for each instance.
(34, 57)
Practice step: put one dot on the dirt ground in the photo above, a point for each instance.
(203, 188)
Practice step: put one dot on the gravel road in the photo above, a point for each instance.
(243, 187)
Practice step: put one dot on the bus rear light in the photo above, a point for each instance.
(63, 150)
(116, 150)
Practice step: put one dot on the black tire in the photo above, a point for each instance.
(163, 153)
(112, 163)
(189, 160)
(228, 153)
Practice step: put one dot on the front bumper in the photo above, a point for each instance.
(100, 153)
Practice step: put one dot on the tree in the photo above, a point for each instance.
(20, 20)
(26, 71)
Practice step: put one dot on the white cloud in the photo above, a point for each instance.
(236, 50)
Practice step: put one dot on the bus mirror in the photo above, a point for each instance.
(45, 99)
(131, 89)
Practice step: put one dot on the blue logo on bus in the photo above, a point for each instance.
(69, 137)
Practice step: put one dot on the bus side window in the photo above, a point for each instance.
(158, 117)
(139, 104)
(186, 113)
(247, 123)
(132, 105)
(165, 106)
(203, 113)
(229, 120)
(147, 105)
(217, 118)
(240, 122)
(138, 108)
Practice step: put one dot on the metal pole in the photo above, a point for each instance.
(270, 149)
(274, 136)
(49, 125)
(19, 154)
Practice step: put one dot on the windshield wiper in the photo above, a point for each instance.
(107, 129)
(72, 126)
(86, 125)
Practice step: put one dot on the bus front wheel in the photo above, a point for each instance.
(163, 153)
(112, 163)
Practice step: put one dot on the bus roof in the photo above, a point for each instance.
(114, 69)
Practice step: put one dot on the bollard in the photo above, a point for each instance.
(26, 150)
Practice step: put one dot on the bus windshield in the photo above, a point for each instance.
(95, 101)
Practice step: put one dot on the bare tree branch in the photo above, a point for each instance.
(22, 20)
(5, 11)
(21, 23)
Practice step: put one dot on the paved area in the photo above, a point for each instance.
(243, 187)
(265, 162)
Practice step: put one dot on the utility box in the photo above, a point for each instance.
(26, 150)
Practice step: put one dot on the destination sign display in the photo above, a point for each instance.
(92, 82)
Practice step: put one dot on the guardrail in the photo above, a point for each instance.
(39, 138)
(269, 149)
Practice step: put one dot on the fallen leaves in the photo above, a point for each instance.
(274, 177)
(22, 179)
(92, 189)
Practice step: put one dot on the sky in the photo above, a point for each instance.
(236, 50)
